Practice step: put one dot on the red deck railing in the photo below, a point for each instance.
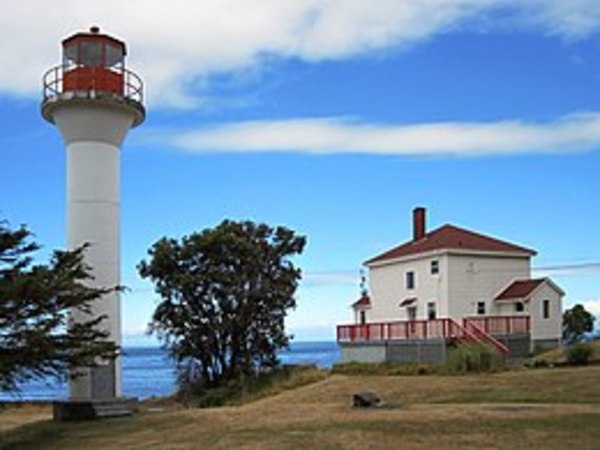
(474, 329)
(400, 330)
(501, 324)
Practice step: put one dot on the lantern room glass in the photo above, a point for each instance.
(93, 53)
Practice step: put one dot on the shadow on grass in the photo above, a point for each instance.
(48, 434)
(33, 436)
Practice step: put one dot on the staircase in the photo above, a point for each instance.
(476, 334)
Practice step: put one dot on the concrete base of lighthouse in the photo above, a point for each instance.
(85, 409)
(93, 396)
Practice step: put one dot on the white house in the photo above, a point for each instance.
(452, 283)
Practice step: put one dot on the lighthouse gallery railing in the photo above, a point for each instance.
(97, 79)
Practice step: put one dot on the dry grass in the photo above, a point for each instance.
(13, 416)
(292, 379)
(551, 409)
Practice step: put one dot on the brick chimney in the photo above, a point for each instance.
(419, 227)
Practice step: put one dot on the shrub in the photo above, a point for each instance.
(468, 358)
(579, 354)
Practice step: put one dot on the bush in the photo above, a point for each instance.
(579, 354)
(472, 358)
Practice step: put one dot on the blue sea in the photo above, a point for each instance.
(147, 371)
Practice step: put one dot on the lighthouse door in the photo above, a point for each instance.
(103, 381)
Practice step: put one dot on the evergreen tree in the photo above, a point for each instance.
(36, 337)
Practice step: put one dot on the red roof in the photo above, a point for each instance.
(363, 301)
(520, 289)
(451, 237)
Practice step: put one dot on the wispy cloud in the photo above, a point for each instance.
(328, 278)
(178, 45)
(569, 270)
(572, 19)
(572, 133)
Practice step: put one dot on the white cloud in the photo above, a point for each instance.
(571, 19)
(578, 132)
(340, 277)
(568, 270)
(178, 44)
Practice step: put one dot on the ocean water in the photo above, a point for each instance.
(147, 371)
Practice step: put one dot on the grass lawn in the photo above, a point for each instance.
(525, 409)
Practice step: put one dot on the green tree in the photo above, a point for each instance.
(36, 337)
(576, 322)
(224, 295)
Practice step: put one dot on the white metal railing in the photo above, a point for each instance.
(132, 85)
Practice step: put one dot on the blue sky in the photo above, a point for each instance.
(334, 118)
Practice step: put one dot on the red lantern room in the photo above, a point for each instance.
(93, 67)
(93, 61)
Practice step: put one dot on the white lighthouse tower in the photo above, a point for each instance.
(94, 100)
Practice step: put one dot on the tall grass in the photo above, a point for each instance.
(472, 358)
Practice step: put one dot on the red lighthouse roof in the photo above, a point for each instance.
(93, 35)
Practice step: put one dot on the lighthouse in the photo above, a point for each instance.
(94, 100)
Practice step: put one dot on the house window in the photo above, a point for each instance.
(410, 280)
(435, 267)
(363, 318)
(519, 307)
(546, 309)
(431, 315)
(481, 308)
(412, 312)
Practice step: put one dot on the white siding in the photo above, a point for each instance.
(477, 278)
(507, 308)
(388, 288)
(462, 281)
(545, 328)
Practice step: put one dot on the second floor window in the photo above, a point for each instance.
(435, 267)
(410, 280)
